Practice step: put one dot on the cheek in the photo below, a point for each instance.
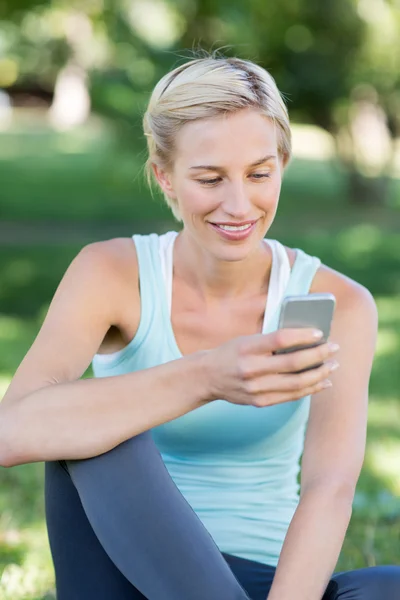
(193, 199)
(276, 190)
(268, 196)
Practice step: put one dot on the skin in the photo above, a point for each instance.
(235, 193)
(219, 295)
(227, 289)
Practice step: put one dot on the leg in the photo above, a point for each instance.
(147, 528)
(83, 569)
(255, 577)
(372, 583)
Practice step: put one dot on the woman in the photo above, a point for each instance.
(155, 487)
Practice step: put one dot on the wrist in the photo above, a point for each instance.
(203, 365)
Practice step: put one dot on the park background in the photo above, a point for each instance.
(74, 80)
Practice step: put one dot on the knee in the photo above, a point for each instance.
(135, 446)
(372, 583)
(134, 456)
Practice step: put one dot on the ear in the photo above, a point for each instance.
(164, 181)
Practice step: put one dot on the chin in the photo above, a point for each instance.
(234, 251)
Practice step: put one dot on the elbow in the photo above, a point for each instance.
(5, 459)
(340, 492)
(6, 455)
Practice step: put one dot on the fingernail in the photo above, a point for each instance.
(326, 384)
(333, 347)
(317, 334)
(333, 366)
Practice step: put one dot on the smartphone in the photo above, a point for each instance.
(311, 310)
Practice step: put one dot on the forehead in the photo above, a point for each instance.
(237, 138)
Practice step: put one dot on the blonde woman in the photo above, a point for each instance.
(172, 475)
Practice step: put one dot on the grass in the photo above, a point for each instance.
(75, 178)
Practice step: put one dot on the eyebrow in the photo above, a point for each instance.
(216, 168)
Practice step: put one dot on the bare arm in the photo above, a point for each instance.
(49, 413)
(334, 450)
(85, 418)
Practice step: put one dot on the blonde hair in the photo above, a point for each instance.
(204, 88)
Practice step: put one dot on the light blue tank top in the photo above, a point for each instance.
(237, 466)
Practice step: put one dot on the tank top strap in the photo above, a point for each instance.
(295, 282)
(166, 248)
(302, 274)
(152, 291)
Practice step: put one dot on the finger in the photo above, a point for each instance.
(269, 399)
(283, 339)
(291, 383)
(293, 362)
(251, 365)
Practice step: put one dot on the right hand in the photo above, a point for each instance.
(246, 371)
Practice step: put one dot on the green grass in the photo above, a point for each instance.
(77, 178)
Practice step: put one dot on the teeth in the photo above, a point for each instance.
(234, 227)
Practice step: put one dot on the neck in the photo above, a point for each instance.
(219, 279)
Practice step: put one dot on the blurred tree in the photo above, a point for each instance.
(336, 61)
(371, 120)
(322, 55)
(15, 9)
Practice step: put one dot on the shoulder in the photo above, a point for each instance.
(351, 297)
(111, 265)
(110, 254)
(115, 259)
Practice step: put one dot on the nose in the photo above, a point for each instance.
(237, 202)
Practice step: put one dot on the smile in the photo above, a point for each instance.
(230, 231)
(234, 227)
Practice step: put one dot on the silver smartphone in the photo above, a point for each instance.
(311, 310)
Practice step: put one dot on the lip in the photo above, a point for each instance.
(232, 224)
(234, 235)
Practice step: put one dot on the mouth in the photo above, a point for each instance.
(234, 231)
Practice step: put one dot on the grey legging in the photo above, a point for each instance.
(120, 529)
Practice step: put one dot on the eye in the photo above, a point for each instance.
(261, 175)
(209, 181)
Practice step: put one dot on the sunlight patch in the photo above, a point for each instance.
(384, 412)
(384, 459)
(4, 383)
(388, 342)
(35, 575)
(388, 309)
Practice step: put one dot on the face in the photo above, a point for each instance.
(226, 179)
